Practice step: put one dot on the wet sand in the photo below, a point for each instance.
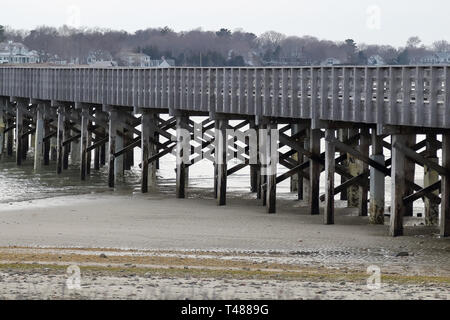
(192, 249)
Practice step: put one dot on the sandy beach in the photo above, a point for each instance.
(153, 246)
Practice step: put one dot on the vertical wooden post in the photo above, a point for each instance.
(88, 144)
(112, 147)
(104, 118)
(253, 167)
(398, 187)
(295, 178)
(66, 135)
(19, 133)
(306, 146)
(10, 138)
(53, 152)
(343, 136)
(2, 128)
(314, 172)
(271, 167)
(364, 167)
(97, 153)
(445, 204)
(25, 140)
(430, 178)
(263, 156)
(330, 151)
(83, 142)
(39, 136)
(145, 144)
(182, 124)
(46, 133)
(377, 179)
(148, 150)
(216, 167)
(119, 161)
(221, 154)
(410, 166)
(353, 192)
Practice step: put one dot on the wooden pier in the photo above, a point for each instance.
(96, 117)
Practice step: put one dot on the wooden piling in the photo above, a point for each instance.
(84, 142)
(88, 144)
(306, 145)
(10, 138)
(46, 133)
(182, 127)
(66, 147)
(353, 192)
(221, 160)
(445, 204)
(410, 166)
(113, 117)
(343, 136)
(59, 140)
(314, 172)
(330, 151)
(364, 167)
(377, 182)
(148, 170)
(3, 123)
(431, 177)
(39, 138)
(271, 167)
(398, 187)
(19, 133)
(253, 167)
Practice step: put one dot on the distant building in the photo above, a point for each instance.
(162, 63)
(436, 58)
(100, 59)
(331, 62)
(130, 59)
(376, 60)
(17, 53)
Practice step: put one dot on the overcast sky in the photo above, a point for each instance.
(369, 21)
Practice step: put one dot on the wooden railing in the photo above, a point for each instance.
(395, 95)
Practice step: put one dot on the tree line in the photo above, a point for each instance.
(210, 48)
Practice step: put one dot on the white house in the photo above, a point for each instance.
(131, 59)
(17, 53)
